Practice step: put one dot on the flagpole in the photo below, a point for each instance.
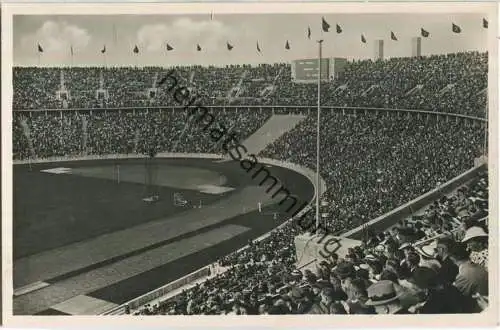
(320, 43)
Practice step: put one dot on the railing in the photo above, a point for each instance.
(272, 108)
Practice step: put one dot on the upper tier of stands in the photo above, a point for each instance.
(454, 83)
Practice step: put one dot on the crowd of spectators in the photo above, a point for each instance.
(123, 132)
(406, 269)
(372, 163)
(447, 83)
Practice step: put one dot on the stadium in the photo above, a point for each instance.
(126, 203)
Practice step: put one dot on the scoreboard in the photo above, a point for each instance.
(307, 71)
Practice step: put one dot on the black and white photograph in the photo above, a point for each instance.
(283, 160)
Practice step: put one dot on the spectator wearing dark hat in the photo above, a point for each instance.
(357, 297)
(472, 278)
(436, 297)
(384, 298)
(449, 270)
(345, 271)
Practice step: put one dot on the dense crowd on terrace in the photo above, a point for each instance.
(372, 163)
(433, 263)
(446, 83)
(113, 132)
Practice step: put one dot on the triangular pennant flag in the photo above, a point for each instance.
(393, 36)
(455, 28)
(103, 50)
(485, 23)
(40, 49)
(339, 29)
(229, 46)
(169, 47)
(325, 25)
(136, 49)
(258, 48)
(287, 45)
(424, 33)
(363, 40)
(198, 47)
(308, 32)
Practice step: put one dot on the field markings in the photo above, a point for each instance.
(58, 170)
(30, 288)
(102, 277)
(84, 305)
(49, 264)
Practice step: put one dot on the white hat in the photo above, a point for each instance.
(428, 251)
(474, 232)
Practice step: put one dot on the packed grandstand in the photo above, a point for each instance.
(372, 162)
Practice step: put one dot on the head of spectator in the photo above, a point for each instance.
(427, 255)
(476, 239)
(388, 275)
(443, 246)
(459, 254)
(413, 260)
(345, 271)
(383, 297)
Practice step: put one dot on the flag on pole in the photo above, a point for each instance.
(363, 39)
(258, 48)
(103, 50)
(198, 47)
(325, 25)
(71, 50)
(455, 28)
(136, 49)
(339, 29)
(169, 47)
(229, 46)
(485, 23)
(393, 36)
(287, 45)
(212, 16)
(308, 32)
(424, 33)
(40, 49)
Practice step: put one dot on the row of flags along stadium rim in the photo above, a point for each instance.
(324, 25)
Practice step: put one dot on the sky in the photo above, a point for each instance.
(88, 34)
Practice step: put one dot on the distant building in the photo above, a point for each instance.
(379, 50)
(416, 46)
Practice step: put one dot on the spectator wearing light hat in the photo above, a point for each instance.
(384, 298)
(428, 256)
(476, 239)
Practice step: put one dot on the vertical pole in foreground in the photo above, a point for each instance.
(318, 137)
